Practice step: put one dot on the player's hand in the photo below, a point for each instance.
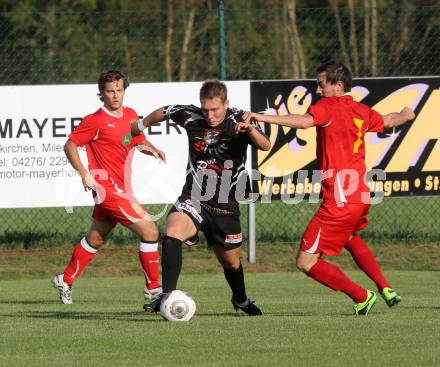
(156, 153)
(408, 113)
(161, 155)
(242, 127)
(250, 117)
(89, 182)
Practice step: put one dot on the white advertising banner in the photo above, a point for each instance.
(35, 122)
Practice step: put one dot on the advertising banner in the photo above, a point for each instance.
(403, 161)
(35, 122)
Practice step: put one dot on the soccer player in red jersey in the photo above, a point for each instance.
(341, 124)
(106, 134)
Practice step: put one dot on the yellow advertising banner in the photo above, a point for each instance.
(400, 162)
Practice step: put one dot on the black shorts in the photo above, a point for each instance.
(220, 226)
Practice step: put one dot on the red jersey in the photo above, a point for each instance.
(341, 124)
(109, 147)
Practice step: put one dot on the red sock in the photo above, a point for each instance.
(149, 257)
(82, 255)
(366, 261)
(333, 277)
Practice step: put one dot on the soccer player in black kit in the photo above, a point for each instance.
(217, 139)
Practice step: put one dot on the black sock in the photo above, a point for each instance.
(171, 262)
(235, 279)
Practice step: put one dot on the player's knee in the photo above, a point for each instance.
(170, 232)
(173, 231)
(304, 263)
(153, 234)
(300, 265)
(230, 265)
(95, 241)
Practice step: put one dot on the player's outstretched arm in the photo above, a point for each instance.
(156, 116)
(258, 138)
(148, 148)
(71, 150)
(295, 121)
(395, 119)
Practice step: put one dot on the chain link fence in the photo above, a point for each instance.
(178, 41)
(57, 46)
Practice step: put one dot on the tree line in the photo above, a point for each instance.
(68, 41)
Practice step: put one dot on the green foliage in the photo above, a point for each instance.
(73, 41)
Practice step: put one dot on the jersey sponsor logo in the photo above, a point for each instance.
(111, 125)
(137, 208)
(210, 142)
(234, 238)
(217, 149)
(211, 136)
(199, 146)
(209, 164)
(126, 139)
(189, 208)
(205, 164)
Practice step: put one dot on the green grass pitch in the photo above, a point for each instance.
(304, 324)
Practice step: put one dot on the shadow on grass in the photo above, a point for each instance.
(45, 302)
(435, 308)
(86, 315)
(141, 317)
(242, 314)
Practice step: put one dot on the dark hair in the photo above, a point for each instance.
(335, 72)
(110, 76)
(213, 88)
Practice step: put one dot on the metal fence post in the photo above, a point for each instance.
(221, 32)
(251, 233)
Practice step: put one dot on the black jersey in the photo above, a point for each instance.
(216, 159)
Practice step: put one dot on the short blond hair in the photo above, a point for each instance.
(212, 88)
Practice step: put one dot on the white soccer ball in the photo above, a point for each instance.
(177, 306)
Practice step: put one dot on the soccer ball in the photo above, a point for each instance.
(177, 306)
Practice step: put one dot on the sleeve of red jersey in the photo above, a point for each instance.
(139, 139)
(84, 132)
(320, 112)
(375, 121)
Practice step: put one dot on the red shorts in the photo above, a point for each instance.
(331, 228)
(126, 211)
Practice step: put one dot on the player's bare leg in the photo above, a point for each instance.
(83, 253)
(334, 278)
(229, 259)
(148, 234)
(305, 261)
(98, 232)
